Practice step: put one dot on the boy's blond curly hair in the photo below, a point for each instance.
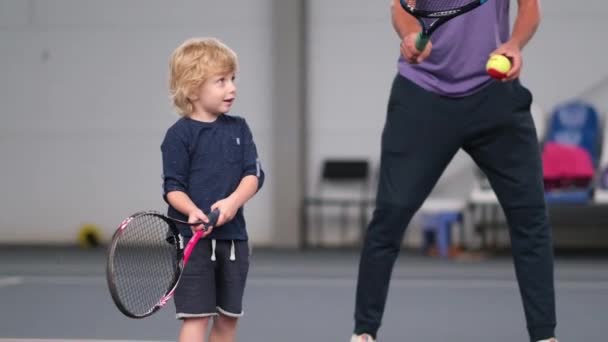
(192, 63)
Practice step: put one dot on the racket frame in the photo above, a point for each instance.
(183, 254)
(442, 16)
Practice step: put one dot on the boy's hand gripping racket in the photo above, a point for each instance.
(440, 10)
(145, 261)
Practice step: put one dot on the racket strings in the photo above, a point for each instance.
(437, 5)
(145, 265)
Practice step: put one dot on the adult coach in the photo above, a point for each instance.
(443, 100)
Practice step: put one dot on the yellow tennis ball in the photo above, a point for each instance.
(89, 236)
(498, 66)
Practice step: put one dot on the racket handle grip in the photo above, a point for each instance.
(213, 217)
(421, 41)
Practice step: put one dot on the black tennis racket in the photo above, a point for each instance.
(145, 261)
(433, 13)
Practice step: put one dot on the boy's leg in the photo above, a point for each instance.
(194, 329)
(420, 138)
(233, 266)
(195, 294)
(505, 146)
(224, 329)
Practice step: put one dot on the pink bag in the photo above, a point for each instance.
(566, 166)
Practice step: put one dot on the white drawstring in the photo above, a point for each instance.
(232, 253)
(213, 242)
(232, 250)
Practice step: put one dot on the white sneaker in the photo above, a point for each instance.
(367, 338)
(363, 338)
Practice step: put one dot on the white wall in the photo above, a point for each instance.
(567, 54)
(351, 60)
(84, 106)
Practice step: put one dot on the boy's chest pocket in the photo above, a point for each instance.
(232, 148)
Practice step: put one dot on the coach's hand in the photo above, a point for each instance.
(512, 51)
(227, 207)
(409, 51)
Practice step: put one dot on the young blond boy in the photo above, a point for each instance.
(209, 162)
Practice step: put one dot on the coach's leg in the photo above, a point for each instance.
(419, 139)
(505, 146)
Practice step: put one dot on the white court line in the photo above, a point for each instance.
(421, 283)
(64, 340)
(414, 282)
(319, 271)
(10, 281)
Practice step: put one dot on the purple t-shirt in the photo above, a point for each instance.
(461, 48)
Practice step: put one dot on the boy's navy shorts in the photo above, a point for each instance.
(214, 279)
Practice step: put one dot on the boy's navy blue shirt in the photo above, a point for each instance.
(207, 161)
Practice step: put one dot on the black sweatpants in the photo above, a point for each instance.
(423, 132)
